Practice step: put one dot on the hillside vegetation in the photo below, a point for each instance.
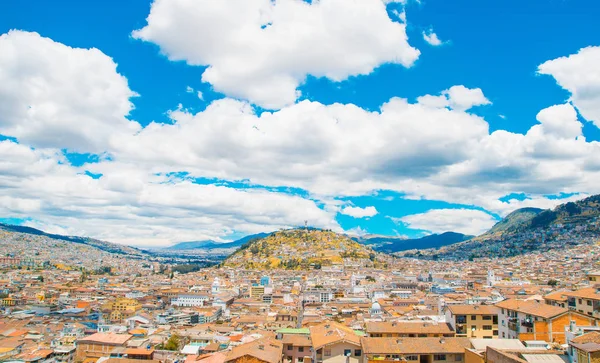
(296, 249)
(530, 229)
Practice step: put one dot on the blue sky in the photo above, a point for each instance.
(495, 47)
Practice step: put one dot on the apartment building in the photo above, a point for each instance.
(417, 329)
(585, 301)
(534, 320)
(424, 350)
(473, 321)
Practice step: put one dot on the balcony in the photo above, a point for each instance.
(514, 326)
(527, 323)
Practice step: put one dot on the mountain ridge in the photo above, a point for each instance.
(529, 230)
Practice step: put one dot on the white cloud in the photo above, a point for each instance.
(466, 221)
(358, 212)
(189, 89)
(433, 149)
(458, 98)
(432, 38)
(52, 95)
(134, 206)
(262, 50)
(579, 74)
(200, 95)
(327, 150)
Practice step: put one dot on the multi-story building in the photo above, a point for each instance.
(388, 329)
(331, 342)
(296, 347)
(585, 301)
(533, 320)
(99, 345)
(473, 321)
(189, 300)
(424, 350)
(257, 291)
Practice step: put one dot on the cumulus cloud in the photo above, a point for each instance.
(358, 212)
(579, 74)
(137, 207)
(466, 221)
(262, 50)
(431, 38)
(458, 98)
(145, 192)
(55, 96)
(327, 150)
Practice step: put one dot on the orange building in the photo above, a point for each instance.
(534, 320)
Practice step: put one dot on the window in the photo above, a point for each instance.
(439, 357)
(473, 317)
(495, 319)
(589, 302)
(580, 302)
(357, 352)
(347, 352)
(503, 335)
(458, 358)
(301, 349)
(495, 333)
(327, 352)
(487, 317)
(488, 337)
(411, 357)
(290, 347)
(473, 328)
(487, 327)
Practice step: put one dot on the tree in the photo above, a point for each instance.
(173, 342)
(552, 283)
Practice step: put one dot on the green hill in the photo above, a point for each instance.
(530, 229)
(300, 248)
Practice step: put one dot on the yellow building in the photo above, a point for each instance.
(594, 277)
(8, 301)
(121, 307)
(585, 348)
(473, 321)
(257, 291)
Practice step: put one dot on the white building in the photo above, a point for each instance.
(189, 300)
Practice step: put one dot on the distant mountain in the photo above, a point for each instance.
(101, 245)
(211, 245)
(397, 244)
(301, 248)
(515, 220)
(530, 229)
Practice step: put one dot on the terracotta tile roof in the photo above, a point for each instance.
(592, 337)
(266, 350)
(106, 338)
(473, 309)
(415, 345)
(588, 293)
(331, 332)
(556, 296)
(534, 308)
(296, 340)
(419, 327)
